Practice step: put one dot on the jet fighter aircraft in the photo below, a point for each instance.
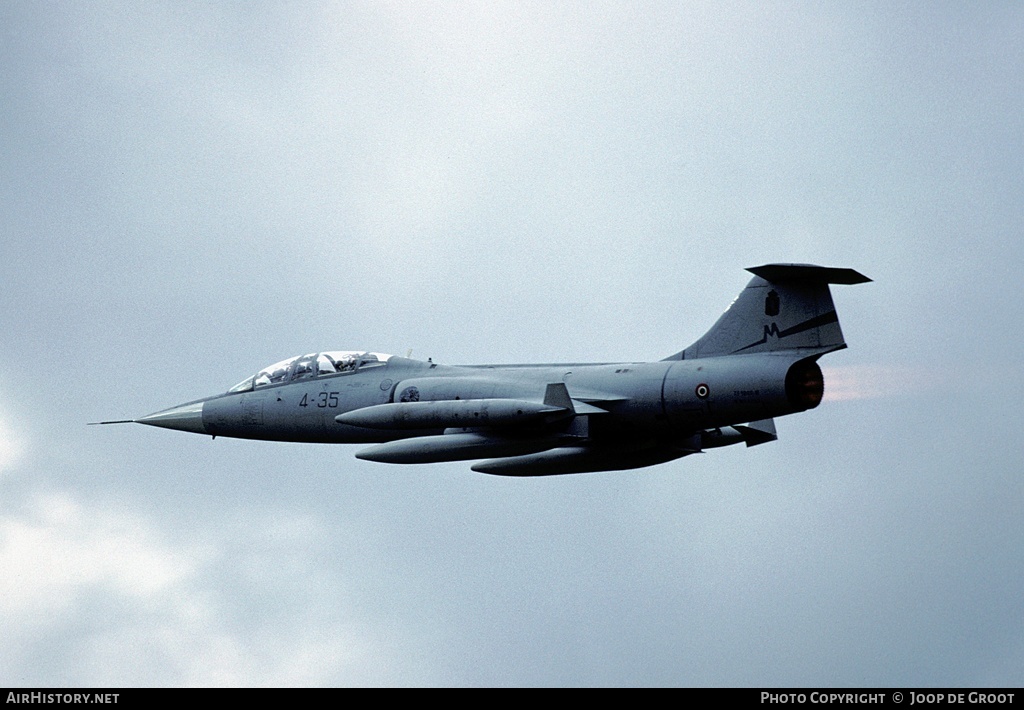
(757, 362)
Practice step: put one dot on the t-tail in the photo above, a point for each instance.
(785, 308)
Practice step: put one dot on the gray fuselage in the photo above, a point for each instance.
(666, 400)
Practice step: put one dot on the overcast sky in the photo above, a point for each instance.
(191, 191)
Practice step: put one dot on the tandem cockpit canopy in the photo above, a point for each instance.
(335, 362)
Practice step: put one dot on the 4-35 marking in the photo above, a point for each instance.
(322, 400)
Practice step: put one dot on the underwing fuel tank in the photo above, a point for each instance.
(575, 459)
(445, 414)
(457, 447)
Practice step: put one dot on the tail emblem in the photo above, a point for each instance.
(773, 329)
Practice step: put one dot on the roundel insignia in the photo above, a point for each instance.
(702, 391)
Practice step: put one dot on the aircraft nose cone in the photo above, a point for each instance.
(185, 417)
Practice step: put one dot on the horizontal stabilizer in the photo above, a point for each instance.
(809, 272)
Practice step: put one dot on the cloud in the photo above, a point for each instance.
(88, 587)
(12, 445)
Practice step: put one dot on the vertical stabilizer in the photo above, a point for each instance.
(785, 307)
